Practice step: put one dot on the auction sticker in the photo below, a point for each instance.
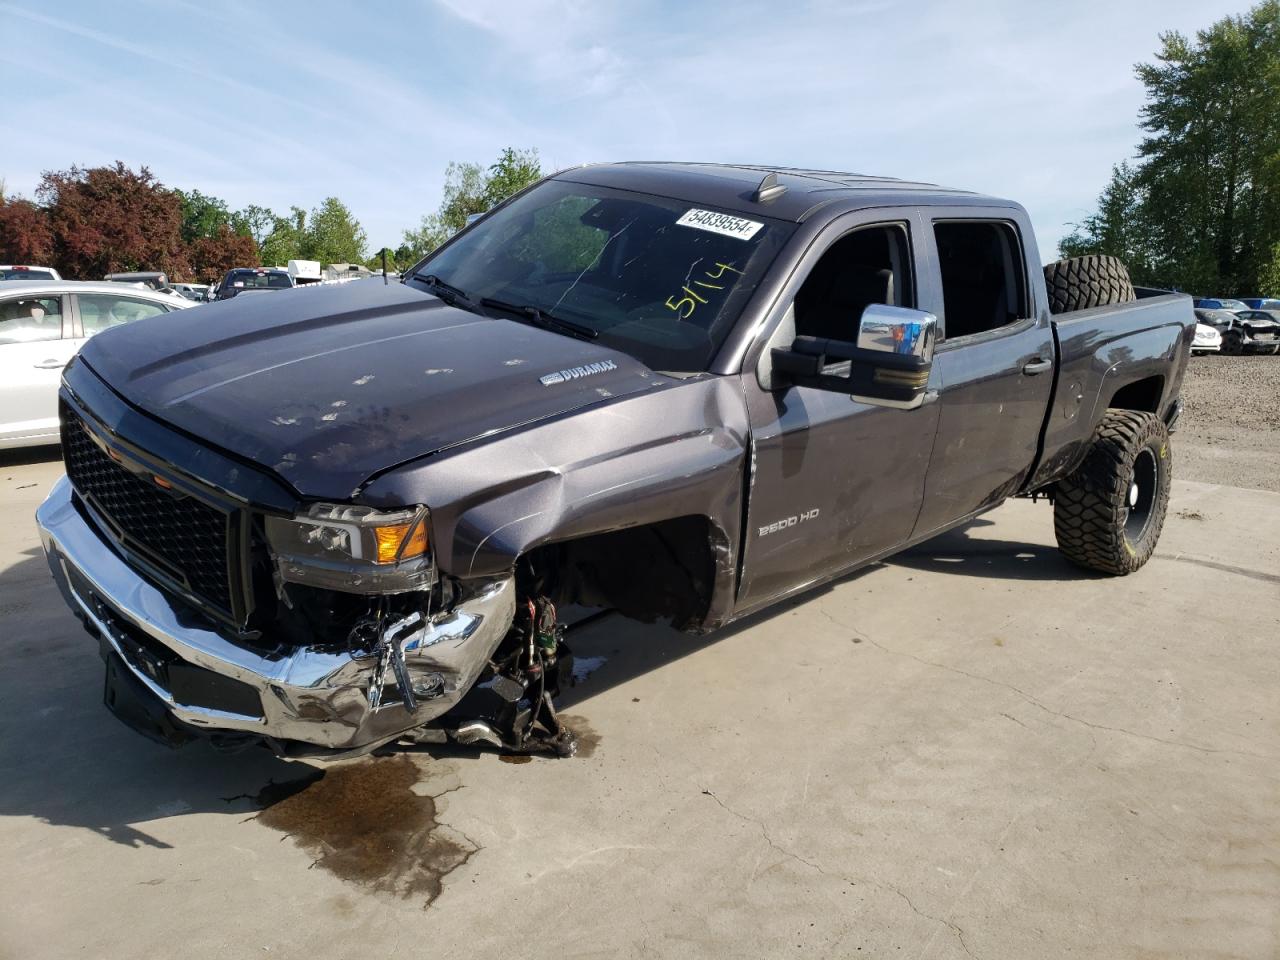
(720, 223)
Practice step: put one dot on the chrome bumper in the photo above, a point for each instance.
(311, 696)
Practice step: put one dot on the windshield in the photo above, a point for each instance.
(662, 280)
(1233, 305)
(25, 275)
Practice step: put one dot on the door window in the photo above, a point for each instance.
(871, 265)
(983, 278)
(98, 311)
(31, 319)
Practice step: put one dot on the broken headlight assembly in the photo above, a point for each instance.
(355, 549)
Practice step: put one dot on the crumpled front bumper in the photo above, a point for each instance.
(204, 680)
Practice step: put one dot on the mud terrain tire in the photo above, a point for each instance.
(1108, 513)
(1083, 282)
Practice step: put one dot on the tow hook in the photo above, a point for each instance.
(388, 645)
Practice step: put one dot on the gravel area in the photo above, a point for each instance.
(1230, 427)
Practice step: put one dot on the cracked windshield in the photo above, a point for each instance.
(659, 279)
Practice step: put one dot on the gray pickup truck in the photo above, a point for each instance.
(326, 521)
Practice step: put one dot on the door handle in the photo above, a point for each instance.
(51, 365)
(1032, 367)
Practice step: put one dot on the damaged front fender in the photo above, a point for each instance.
(644, 460)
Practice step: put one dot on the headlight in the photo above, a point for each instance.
(354, 548)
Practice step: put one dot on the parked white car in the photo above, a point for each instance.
(196, 292)
(42, 325)
(1207, 340)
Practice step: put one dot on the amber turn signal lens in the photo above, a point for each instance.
(413, 535)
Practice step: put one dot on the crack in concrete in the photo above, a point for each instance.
(1039, 705)
(764, 831)
(950, 924)
(877, 884)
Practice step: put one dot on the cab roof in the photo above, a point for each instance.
(734, 187)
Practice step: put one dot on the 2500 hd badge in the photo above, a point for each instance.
(789, 522)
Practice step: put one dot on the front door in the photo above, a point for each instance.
(833, 481)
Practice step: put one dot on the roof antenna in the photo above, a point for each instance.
(770, 189)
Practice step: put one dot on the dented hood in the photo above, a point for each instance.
(329, 386)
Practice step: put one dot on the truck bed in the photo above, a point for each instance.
(1139, 348)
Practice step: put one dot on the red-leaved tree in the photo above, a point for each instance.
(111, 219)
(25, 234)
(212, 257)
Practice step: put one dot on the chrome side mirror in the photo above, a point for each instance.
(898, 330)
(888, 364)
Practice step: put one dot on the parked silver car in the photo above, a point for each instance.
(42, 325)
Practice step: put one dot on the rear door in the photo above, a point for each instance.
(35, 344)
(993, 364)
(101, 311)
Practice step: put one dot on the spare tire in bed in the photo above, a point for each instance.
(1083, 282)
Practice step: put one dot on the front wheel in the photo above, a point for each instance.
(1232, 344)
(1108, 513)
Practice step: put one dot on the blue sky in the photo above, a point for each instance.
(283, 104)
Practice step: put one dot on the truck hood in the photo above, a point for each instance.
(330, 386)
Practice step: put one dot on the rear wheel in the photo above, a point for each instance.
(1083, 282)
(1232, 343)
(1109, 512)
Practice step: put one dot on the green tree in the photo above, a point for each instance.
(284, 241)
(374, 261)
(470, 188)
(1117, 227)
(254, 221)
(513, 171)
(1204, 195)
(333, 235)
(1269, 278)
(202, 215)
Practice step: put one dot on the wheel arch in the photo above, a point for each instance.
(1144, 395)
(663, 570)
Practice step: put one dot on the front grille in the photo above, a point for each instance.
(185, 539)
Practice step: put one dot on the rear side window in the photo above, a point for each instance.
(252, 280)
(98, 311)
(30, 319)
(983, 276)
(13, 273)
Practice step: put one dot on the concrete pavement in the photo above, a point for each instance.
(974, 750)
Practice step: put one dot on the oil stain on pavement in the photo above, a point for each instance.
(364, 823)
(588, 739)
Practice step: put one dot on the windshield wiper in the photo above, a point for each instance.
(540, 318)
(447, 292)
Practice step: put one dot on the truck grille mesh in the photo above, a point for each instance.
(184, 538)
